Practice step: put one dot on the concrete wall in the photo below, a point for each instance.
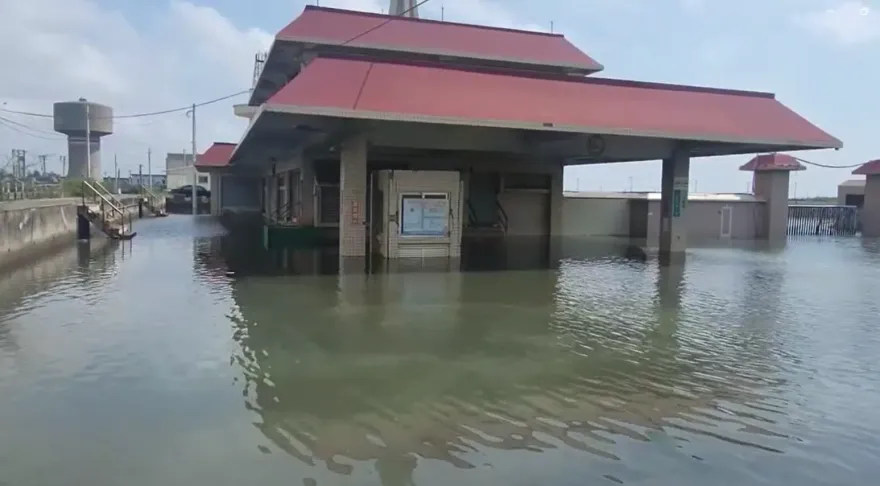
(595, 217)
(183, 176)
(236, 193)
(29, 228)
(28, 231)
(703, 220)
(854, 188)
(611, 217)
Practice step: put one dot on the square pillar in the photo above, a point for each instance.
(557, 200)
(871, 209)
(353, 197)
(673, 204)
(307, 193)
(772, 187)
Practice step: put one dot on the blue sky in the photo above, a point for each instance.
(821, 58)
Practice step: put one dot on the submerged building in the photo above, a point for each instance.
(401, 136)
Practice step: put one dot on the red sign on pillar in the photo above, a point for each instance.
(355, 212)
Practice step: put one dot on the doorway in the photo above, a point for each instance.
(726, 221)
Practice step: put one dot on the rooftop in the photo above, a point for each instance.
(217, 155)
(352, 88)
(872, 167)
(853, 183)
(361, 29)
(772, 162)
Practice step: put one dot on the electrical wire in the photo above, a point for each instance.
(18, 127)
(385, 22)
(826, 166)
(138, 115)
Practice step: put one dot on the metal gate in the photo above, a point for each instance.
(823, 220)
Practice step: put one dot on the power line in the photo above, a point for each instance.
(826, 166)
(138, 115)
(385, 22)
(17, 127)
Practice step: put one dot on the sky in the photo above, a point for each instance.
(820, 57)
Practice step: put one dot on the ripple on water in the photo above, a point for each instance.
(741, 366)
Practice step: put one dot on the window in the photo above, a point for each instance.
(425, 214)
(203, 179)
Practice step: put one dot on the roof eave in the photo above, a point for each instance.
(763, 144)
(581, 69)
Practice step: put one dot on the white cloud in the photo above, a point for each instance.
(58, 50)
(849, 23)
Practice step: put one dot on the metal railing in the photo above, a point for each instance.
(155, 202)
(106, 205)
(501, 221)
(823, 220)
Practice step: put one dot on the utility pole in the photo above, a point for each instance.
(141, 174)
(19, 170)
(88, 144)
(43, 163)
(195, 201)
(116, 174)
(150, 169)
(63, 160)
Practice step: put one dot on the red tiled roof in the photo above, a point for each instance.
(361, 89)
(217, 155)
(774, 161)
(335, 26)
(872, 167)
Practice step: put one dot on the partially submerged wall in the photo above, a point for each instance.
(30, 228)
(638, 216)
(28, 231)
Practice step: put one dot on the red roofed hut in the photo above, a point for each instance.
(412, 133)
(870, 214)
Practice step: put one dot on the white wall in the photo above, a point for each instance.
(183, 176)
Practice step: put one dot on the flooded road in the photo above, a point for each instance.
(190, 358)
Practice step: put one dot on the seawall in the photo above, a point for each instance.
(31, 228)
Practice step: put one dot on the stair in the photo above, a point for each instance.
(105, 212)
(154, 203)
(486, 217)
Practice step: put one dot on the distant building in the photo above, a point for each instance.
(157, 180)
(851, 193)
(179, 172)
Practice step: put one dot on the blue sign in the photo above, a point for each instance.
(424, 217)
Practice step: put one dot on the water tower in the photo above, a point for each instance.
(84, 123)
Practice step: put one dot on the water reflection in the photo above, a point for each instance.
(200, 358)
(397, 366)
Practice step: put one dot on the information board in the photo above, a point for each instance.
(424, 217)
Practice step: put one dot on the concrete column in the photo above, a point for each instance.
(772, 186)
(216, 193)
(557, 200)
(307, 196)
(353, 197)
(673, 204)
(871, 209)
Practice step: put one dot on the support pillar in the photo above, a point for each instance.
(772, 187)
(83, 226)
(307, 193)
(771, 181)
(871, 209)
(673, 205)
(557, 200)
(353, 197)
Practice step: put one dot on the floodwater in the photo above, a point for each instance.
(187, 358)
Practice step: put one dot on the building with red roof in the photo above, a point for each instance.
(375, 115)
(870, 214)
